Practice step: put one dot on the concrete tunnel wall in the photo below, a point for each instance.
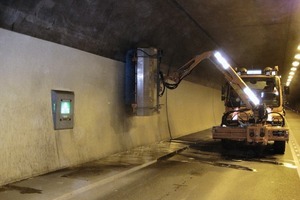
(30, 68)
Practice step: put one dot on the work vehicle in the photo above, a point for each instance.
(255, 124)
(253, 99)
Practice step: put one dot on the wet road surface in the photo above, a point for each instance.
(206, 171)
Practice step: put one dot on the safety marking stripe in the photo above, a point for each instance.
(295, 149)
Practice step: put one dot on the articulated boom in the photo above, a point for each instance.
(244, 92)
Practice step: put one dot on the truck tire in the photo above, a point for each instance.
(279, 147)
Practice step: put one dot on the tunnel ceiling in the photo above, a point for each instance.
(253, 34)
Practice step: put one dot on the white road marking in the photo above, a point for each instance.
(295, 148)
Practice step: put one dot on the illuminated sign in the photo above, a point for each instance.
(254, 72)
(62, 109)
(65, 107)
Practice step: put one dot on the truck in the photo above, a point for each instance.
(254, 125)
(253, 99)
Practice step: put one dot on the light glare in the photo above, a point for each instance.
(222, 60)
(251, 96)
(292, 73)
(297, 56)
(254, 72)
(294, 69)
(295, 63)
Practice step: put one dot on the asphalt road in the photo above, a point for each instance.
(206, 171)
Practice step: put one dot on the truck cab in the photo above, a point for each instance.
(240, 124)
(265, 85)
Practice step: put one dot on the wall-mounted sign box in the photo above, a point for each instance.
(62, 109)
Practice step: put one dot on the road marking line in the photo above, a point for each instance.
(294, 146)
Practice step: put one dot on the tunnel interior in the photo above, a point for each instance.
(81, 46)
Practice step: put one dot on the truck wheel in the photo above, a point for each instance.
(279, 147)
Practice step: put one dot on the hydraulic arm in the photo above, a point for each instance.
(243, 91)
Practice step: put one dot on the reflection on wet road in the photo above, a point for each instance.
(211, 152)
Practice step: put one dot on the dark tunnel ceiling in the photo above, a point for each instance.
(253, 33)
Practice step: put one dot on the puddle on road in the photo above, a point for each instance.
(274, 162)
(289, 165)
(90, 171)
(212, 154)
(232, 166)
(22, 190)
(215, 162)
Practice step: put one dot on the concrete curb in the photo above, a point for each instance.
(172, 154)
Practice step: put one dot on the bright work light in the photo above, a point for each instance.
(251, 95)
(222, 60)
